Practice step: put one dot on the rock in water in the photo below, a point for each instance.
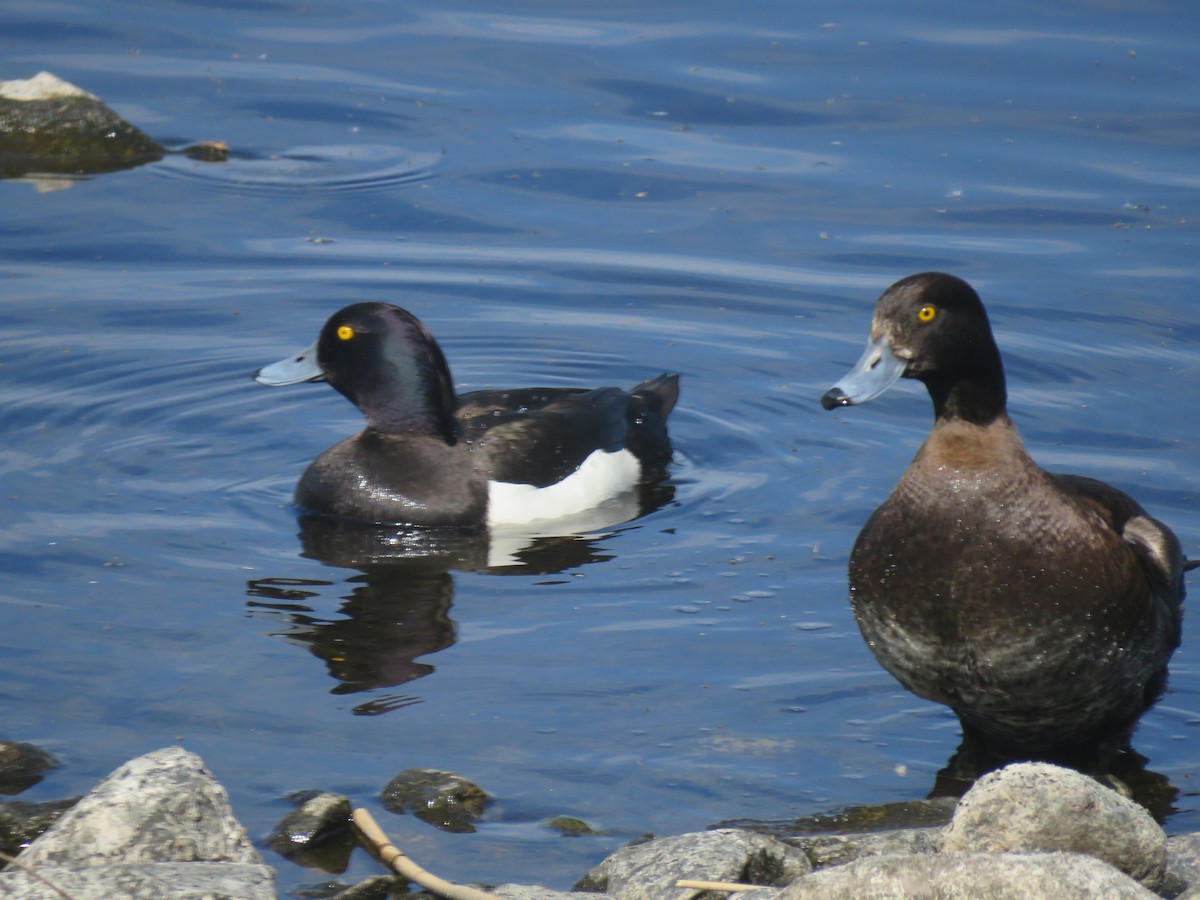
(49, 126)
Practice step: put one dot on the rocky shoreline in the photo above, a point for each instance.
(161, 827)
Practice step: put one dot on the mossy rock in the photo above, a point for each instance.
(48, 126)
(443, 799)
(569, 826)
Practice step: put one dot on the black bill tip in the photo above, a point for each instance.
(835, 397)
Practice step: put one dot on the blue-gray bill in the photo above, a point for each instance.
(876, 371)
(299, 367)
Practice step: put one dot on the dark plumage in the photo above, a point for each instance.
(1041, 608)
(429, 458)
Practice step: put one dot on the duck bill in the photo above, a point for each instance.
(293, 370)
(877, 370)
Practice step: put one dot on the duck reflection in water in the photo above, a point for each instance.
(1041, 608)
(397, 613)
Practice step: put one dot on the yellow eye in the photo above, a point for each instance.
(345, 332)
(927, 313)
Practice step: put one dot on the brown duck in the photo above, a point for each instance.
(1041, 608)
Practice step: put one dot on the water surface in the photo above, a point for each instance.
(565, 197)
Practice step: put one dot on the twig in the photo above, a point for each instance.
(716, 886)
(392, 857)
(13, 861)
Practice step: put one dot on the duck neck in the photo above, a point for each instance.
(407, 422)
(978, 397)
(417, 400)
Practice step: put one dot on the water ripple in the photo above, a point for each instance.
(340, 168)
(629, 261)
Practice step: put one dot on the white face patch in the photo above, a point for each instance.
(599, 477)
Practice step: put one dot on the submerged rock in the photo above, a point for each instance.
(317, 834)
(22, 766)
(320, 816)
(569, 826)
(377, 887)
(21, 823)
(443, 799)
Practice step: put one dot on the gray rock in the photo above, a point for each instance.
(1039, 807)
(1183, 864)
(649, 871)
(526, 892)
(970, 876)
(161, 807)
(153, 881)
(825, 850)
(158, 828)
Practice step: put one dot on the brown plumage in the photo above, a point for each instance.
(1041, 608)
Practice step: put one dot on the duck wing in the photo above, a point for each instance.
(539, 436)
(1154, 544)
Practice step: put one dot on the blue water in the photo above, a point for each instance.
(565, 196)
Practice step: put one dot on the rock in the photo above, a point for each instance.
(569, 826)
(22, 766)
(525, 892)
(442, 799)
(377, 887)
(1183, 864)
(857, 819)
(838, 837)
(825, 850)
(48, 126)
(320, 817)
(1039, 807)
(158, 828)
(161, 807)
(979, 876)
(649, 871)
(21, 823)
(142, 881)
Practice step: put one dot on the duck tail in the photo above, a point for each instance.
(658, 394)
(646, 420)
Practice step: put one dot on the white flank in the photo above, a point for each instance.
(599, 477)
